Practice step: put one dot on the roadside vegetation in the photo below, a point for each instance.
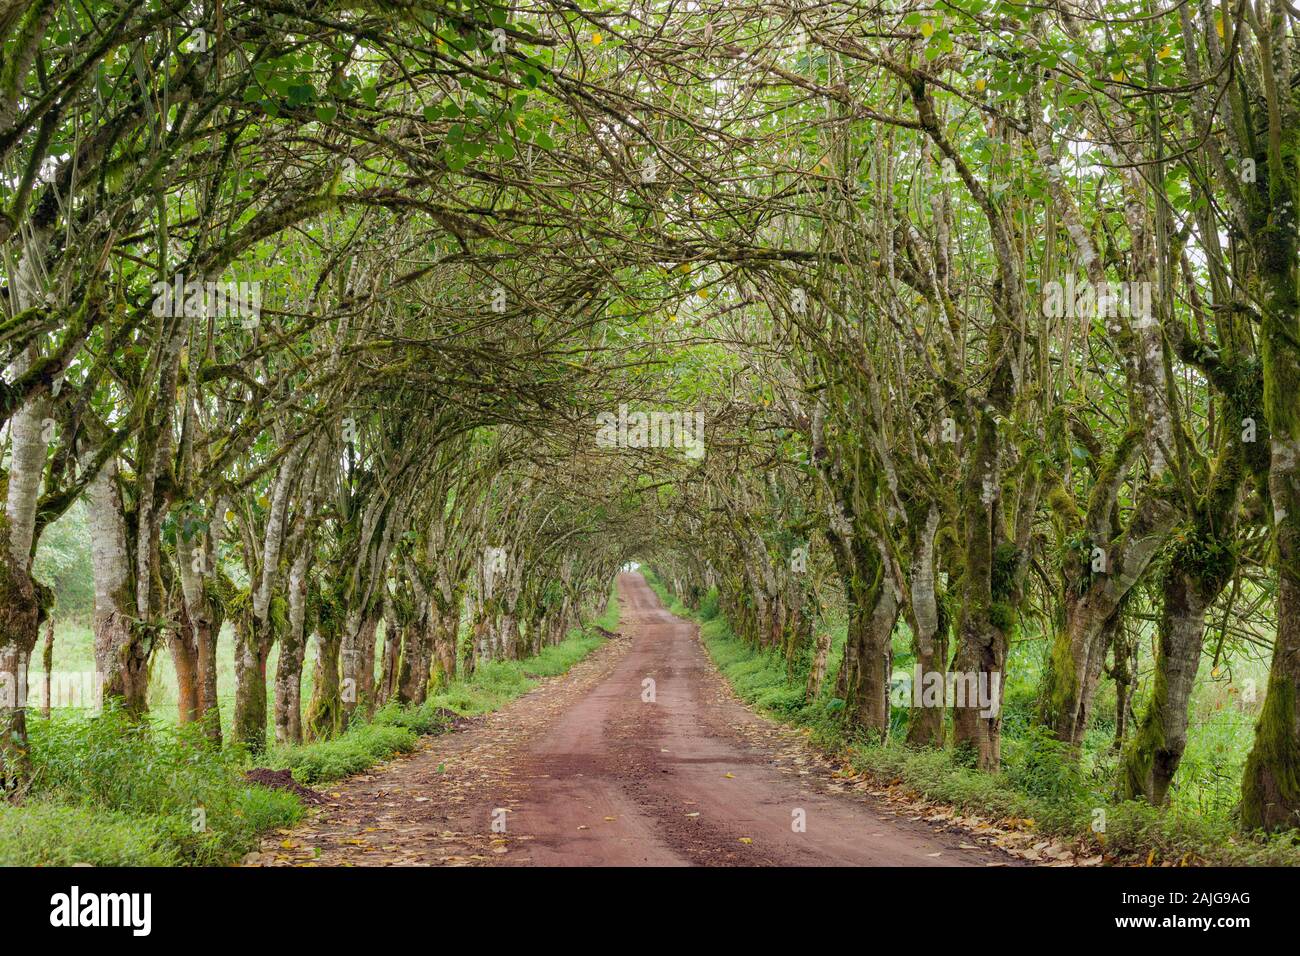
(110, 791)
(1038, 783)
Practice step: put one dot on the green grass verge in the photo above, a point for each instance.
(1057, 796)
(108, 792)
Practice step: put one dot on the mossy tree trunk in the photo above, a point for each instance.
(249, 721)
(293, 650)
(1270, 784)
(417, 655)
(395, 635)
(122, 642)
(20, 615)
(445, 636)
(205, 638)
(982, 626)
(1096, 587)
(324, 716)
(863, 680)
(1201, 562)
(204, 591)
(1152, 760)
(929, 626)
(357, 655)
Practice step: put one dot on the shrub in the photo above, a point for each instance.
(1040, 765)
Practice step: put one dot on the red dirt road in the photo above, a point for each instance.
(582, 771)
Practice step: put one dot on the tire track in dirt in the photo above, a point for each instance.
(589, 773)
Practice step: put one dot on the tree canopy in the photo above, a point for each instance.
(975, 317)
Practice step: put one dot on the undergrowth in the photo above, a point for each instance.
(108, 791)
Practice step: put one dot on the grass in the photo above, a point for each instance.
(109, 792)
(131, 793)
(1037, 785)
(358, 748)
(52, 834)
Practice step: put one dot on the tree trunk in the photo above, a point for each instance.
(1124, 673)
(929, 633)
(1270, 790)
(19, 629)
(417, 652)
(201, 587)
(252, 648)
(325, 710)
(1078, 656)
(205, 639)
(391, 660)
(288, 693)
(817, 673)
(288, 669)
(20, 595)
(121, 653)
(47, 659)
(1092, 616)
(1153, 758)
(981, 633)
(446, 628)
(868, 658)
(182, 642)
(357, 652)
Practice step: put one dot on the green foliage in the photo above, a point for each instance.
(497, 682)
(1041, 766)
(63, 562)
(709, 605)
(184, 800)
(423, 720)
(362, 746)
(41, 833)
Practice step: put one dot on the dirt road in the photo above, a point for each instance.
(587, 770)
